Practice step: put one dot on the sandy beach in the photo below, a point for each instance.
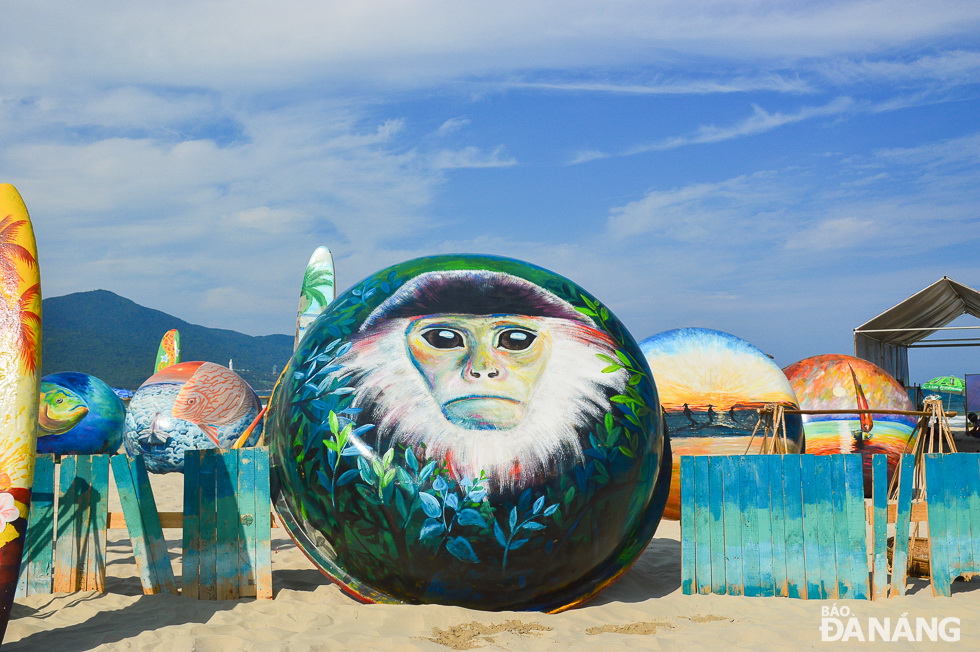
(644, 610)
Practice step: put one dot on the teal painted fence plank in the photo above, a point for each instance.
(37, 570)
(973, 506)
(129, 501)
(192, 543)
(162, 572)
(796, 585)
(715, 498)
(879, 528)
(857, 537)
(262, 566)
(763, 511)
(964, 540)
(939, 526)
(810, 470)
(228, 523)
(689, 536)
(94, 569)
(904, 514)
(748, 479)
(837, 583)
(208, 524)
(67, 526)
(248, 506)
(778, 525)
(732, 526)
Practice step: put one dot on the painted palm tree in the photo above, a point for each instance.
(12, 251)
(314, 281)
(20, 305)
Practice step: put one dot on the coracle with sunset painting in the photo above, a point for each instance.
(79, 415)
(841, 382)
(711, 386)
(188, 406)
(20, 364)
(469, 430)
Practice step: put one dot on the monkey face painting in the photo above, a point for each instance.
(469, 430)
(482, 371)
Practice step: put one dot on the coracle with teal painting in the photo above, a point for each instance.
(469, 430)
(78, 415)
(190, 406)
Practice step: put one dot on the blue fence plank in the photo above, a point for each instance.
(811, 470)
(732, 526)
(961, 505)
(249, 502)
(856, 519)
(227, 525)
(192, 542)
(67, 526)
(748, 479)
(37, 570)
(690, 537)
(973, 506)
(715, 498)
(879, 529)
(778, 520)
(900, 550)
(838, 586)
(208, 525)
(263, 524)
(796, 584)
(93, 577)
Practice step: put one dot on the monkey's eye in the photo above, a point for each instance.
(443, 338)
(515, 340)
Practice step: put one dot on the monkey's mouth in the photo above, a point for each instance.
(484, 412)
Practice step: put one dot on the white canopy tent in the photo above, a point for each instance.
(886, 339)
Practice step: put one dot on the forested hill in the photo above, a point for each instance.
(116, 340)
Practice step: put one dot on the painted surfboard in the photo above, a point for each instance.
(20, 366)
(169, 352)
(317, 292)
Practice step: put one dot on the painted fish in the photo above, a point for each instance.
(59, 410)
(214, 396)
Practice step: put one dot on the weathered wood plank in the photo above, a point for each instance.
(973, 507)
(732, 526)
(162, 572)
(857, 537)
(94, 570)
(208, 525)
(129, 501)
(192, 542)
(263, 525)
(763, 511)
(961, 506)
(37, 570)
(837, 582)
(248, 490)
(900, 550)
(778, 525)
(690, 536)
(227, 523)
(796, 583)
(748, 479)
(716, 517)
(811, 471)
(879, 556)
(67, 527)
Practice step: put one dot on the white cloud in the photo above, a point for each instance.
(472, 157)
(452, 126)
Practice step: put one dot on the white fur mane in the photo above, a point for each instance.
(570, 393)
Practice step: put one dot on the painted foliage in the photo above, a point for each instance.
(78, 415)
(469, 430)
(711, 386)
(840, 382)
(20, 361)
(317, 291)
(188, 406)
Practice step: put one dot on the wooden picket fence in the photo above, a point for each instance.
(953, 487)
(796, 525)
(226, 525)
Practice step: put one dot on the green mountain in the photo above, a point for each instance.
(114, 339)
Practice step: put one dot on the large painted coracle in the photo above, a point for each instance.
(469, 430)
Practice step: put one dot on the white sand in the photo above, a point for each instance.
(310, 613)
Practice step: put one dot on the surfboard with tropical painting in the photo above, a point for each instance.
(317, 292)
(20, 366)
(169, 352)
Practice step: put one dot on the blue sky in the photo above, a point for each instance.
(782, 171)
